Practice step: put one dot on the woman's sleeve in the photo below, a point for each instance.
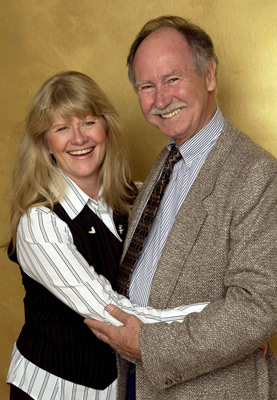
(46, 253)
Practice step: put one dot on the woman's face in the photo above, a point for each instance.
(79, 147)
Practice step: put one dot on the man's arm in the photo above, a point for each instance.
(125, 339)
(230, 328)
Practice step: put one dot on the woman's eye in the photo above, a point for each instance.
(87, 124)
(61, 129)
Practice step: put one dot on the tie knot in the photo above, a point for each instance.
(173, 157)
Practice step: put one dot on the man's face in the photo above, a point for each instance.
(172, 96)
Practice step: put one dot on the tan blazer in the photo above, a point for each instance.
(221, 249)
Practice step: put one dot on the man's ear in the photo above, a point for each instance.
(211, 77)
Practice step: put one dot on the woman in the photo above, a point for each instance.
(71, 199)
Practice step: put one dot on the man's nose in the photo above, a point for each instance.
(162, 97)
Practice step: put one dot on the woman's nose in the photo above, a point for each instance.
(78, 136)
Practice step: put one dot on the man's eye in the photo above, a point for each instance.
(173, 80)
(144, 88)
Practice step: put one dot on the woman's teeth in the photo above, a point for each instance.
(80, 152)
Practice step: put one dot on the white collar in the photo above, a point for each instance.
(75, 199)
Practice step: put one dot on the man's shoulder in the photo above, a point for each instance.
(237, 162)
(243, 143)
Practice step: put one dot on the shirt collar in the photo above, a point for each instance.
(74, 199)
(203, 140)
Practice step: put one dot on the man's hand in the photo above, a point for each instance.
(123, 339)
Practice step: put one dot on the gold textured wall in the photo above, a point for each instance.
(39, 38)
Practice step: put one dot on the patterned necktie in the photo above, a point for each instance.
(150, 210)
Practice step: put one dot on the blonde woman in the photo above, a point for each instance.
(72, 195)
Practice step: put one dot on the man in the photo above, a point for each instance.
(213, 239)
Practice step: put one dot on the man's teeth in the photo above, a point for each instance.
(171, 114)
(80, 152)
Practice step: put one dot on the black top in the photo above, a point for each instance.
(54, 337)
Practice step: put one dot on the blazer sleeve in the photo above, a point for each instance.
(231, 327)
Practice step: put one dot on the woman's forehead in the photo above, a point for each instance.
(68, 114)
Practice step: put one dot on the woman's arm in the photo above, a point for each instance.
(46, 253)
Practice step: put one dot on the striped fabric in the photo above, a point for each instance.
(194, 153)
(46, 253)
(150, 210)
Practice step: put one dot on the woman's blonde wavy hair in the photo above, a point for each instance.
(35, 178)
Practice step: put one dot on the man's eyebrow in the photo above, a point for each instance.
(170, 73)
(138, 83)
(173, 72)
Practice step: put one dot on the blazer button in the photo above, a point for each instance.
(168, 382)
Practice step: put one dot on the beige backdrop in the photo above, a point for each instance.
(39, 38)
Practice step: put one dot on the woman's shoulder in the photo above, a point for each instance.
(37, 210)
(39, 215)
(40, 224)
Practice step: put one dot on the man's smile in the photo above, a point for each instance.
(171, 114)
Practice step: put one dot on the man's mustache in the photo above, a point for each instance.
(171, 107)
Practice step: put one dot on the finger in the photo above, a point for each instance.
(117, 313)
(102, 328)
(93, 324)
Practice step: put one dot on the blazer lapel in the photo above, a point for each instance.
(189, 220)
(180, 241)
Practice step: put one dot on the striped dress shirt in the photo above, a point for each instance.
(42, 236)
(194, 153)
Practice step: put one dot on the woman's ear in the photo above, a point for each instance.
(52, 157)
